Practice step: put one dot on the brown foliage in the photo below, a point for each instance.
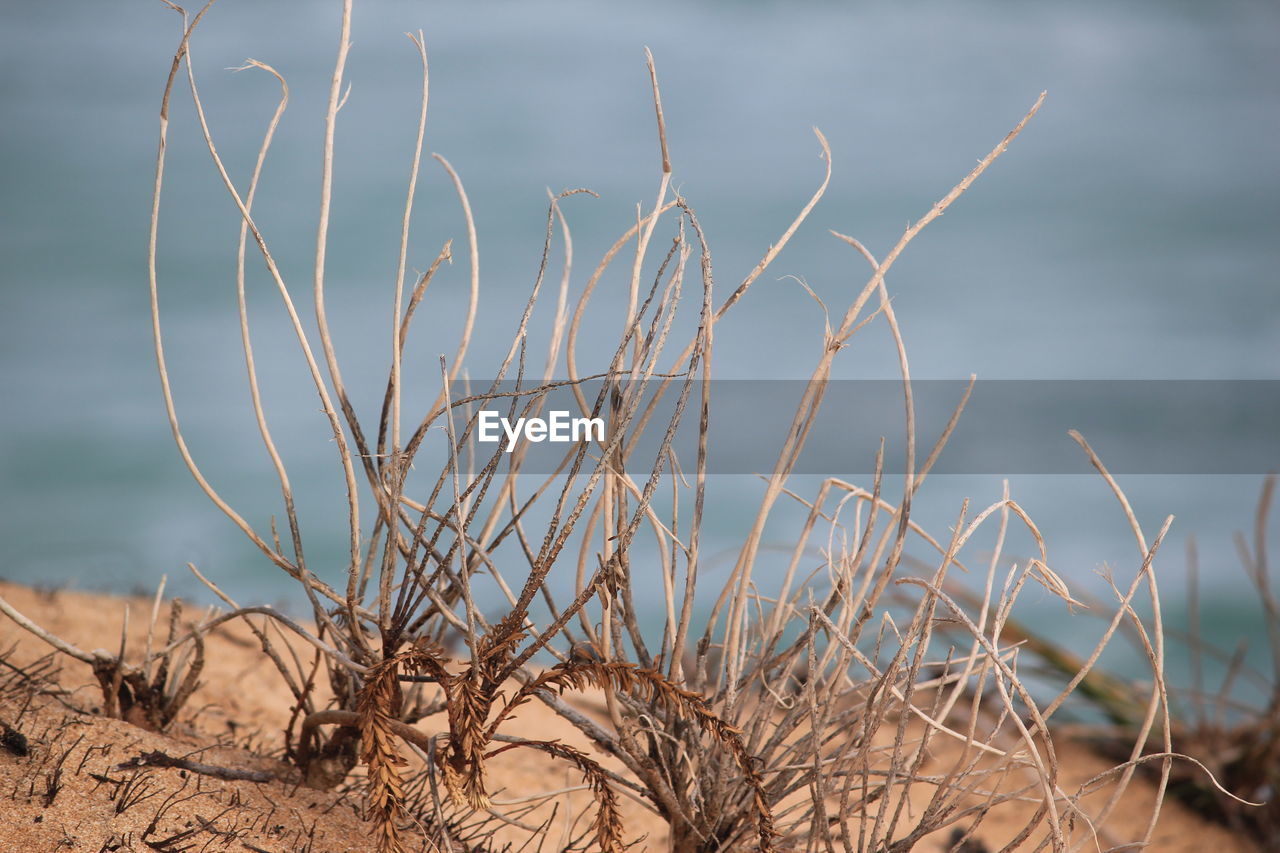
(804, 717)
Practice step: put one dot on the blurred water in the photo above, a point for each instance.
(1129, 233)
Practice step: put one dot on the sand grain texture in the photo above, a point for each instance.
(75, 789)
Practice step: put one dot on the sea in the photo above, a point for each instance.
(1130, 233)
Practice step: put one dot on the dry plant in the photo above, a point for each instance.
(149, 694)
(785, 720)
(1238, 741)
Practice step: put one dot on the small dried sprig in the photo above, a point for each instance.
(378, 705)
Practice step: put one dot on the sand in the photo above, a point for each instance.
(77, 786)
